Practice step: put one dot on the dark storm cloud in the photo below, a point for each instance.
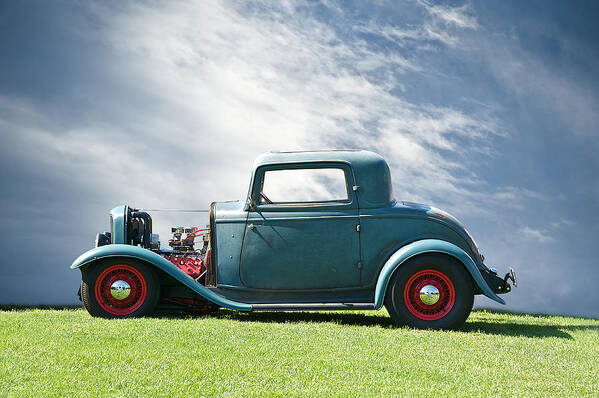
(482, 110)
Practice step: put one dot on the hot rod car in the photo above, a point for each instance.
(317, 231)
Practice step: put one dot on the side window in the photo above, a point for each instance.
(300, 186)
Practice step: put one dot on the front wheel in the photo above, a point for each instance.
(430, 291)
(120, 289)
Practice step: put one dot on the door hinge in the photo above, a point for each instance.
(358, 228)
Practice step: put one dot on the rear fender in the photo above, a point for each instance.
(429, 246)
(119, 250)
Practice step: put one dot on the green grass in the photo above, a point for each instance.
(46, 352)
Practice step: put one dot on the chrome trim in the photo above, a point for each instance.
(120, 290)
(429, 294)
(294, 218)
(513, 276)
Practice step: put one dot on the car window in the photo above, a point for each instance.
(292, 186)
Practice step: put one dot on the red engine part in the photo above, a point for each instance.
(192, 265)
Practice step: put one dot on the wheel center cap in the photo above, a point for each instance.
(429, 295)
(120, 290)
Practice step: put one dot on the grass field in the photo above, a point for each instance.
(68, 353)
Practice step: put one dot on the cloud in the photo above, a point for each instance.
(555, 89)
(233, 81)
(441, 25)
(208, 81)
(538, 235)
(460, 17)
(287, 80)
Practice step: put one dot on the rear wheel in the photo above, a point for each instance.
(120, 289)
(430, 291)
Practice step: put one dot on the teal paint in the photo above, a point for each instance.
(229, 238)
(120, 250)
(301, 250)
(230, 218)
(301, 247)
(118, 221)
(331, 252)
(369, 169)
(428, 246)
(386, 229)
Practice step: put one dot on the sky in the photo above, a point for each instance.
(487, 110)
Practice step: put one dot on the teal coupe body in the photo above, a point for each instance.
(319, 252)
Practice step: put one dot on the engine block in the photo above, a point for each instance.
(190, 263)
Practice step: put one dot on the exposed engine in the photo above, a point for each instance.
(191, 261)
(187, 243)
(183, 253)
(182, 250)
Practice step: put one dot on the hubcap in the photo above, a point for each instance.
(120, 290)
(429, 295)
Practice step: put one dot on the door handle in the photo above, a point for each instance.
(252, 227)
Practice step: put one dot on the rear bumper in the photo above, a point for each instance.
(498, 284)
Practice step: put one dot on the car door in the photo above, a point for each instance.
(305, 235)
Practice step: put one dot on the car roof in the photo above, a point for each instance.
(370, 169)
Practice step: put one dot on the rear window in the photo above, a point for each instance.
(304, 186)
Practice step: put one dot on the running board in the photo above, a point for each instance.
(313, 307)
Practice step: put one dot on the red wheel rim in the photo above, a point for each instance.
(417, 307)
(128, 274)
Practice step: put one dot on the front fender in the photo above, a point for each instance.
(428, 246)
(119, 250)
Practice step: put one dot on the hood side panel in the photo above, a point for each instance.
(229, 229)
